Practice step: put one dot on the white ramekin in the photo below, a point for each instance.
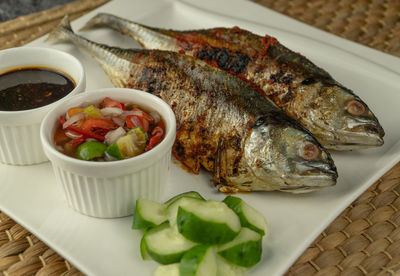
(19, 130)
(110, 189)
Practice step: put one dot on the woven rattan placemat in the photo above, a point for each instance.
(363, 240)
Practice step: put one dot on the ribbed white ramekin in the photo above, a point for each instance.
(19, 130)
(110, 189)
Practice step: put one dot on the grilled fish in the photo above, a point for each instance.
(223, 124)
(337, 117)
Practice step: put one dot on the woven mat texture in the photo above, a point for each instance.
(363, 240)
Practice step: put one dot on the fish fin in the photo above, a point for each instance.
(98, 20)
(182, 150)
(220, 163)
(58, 34)
(141, 33)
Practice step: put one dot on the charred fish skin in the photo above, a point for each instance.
(223, 124)
(226, 127)
(337, 117)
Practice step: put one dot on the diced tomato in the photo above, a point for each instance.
(108, 102)
(73, 111)
(86, 133)
(157, 135)
(94, 123)
(135, 121)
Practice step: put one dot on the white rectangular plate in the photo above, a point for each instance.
(109, 246)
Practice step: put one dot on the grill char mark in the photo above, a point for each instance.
(233, 61)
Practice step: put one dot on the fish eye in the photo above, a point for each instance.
(308, 81)
(355, 107)
(259, 121)
(309, 151)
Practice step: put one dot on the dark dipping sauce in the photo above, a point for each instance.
(32, 87)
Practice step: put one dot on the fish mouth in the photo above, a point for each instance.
(355, 141)
(358, 137)
(312, 176)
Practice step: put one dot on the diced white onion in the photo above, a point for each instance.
(156, 117)
(74, 119)
(118, 121)
(111, 111)
(72, 135)
(112, 136)
(132, 112)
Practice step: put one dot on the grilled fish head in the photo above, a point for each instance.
(286, 158)
(337, 117)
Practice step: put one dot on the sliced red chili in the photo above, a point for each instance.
(94, 123)
(135, 121)
(76, 142)
(108, 102)
(156, 138)
(143, 114)
(87, 133)
(62, 120)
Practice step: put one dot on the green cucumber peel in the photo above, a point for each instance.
(198, 261)
(192, 194)
(246, 254)
(172, 209)
(246, 213)
(148, 214)
(245, 250)
(168, 246)
(143, 250)
(199, 230)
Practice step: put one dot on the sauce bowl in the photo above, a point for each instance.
(19, 130)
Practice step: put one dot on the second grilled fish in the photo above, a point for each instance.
(222, 124)
(337, 117)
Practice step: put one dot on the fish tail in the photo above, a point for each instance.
(64, 32)
(115, 61)
(148, 37)
(60, 33)
(99, 20)
(112, 21)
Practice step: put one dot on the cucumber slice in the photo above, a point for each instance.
(167, 270)
(245, 250)
(143, 251)
(207, 222)
(149, 214)
(165, 244)
(186, 194)
(249, 217)
(172, 209)
(227, 269)
(199, 261)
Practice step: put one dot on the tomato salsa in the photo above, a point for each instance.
(108, 131)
